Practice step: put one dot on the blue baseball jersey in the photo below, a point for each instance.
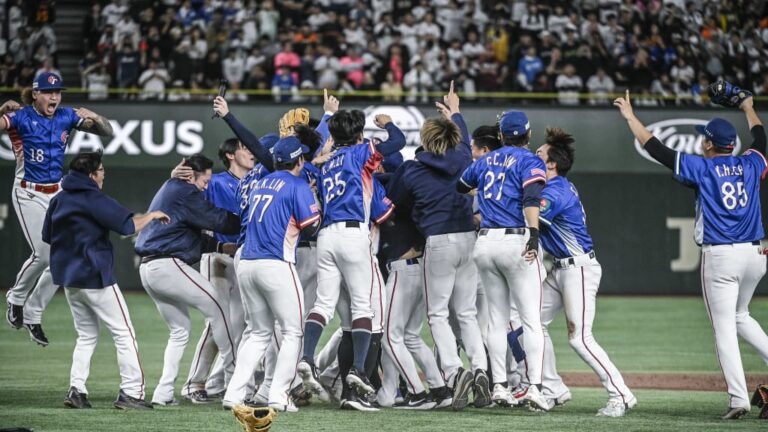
(243, 187)
(222, 193)
(38, 142)
(381, 206)
(346, 186)
(281, 205)
(563, 220)
(500, 177)
(727, 195)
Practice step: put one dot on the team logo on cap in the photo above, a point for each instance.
(52, 80)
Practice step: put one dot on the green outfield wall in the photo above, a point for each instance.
(641, 221)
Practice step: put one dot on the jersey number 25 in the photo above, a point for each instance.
(334, 187)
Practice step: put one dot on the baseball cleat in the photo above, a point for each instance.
(421, 401)
(15, 315)
(353, 401)
(199, 397)
(359, 381)
(482, 389)
(308, 374)
(215, 394)
(75, 399)
(442, 396)
(461, 387)
(502, 396)
(300, 396)
(614, 408)
(256, 401)
(532, 397)
(126, 402)
(735, 413)
(289, 407)
(172, 402)
(560, 400)
(37, 334)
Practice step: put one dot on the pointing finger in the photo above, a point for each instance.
(450, 91)
(627, 95)
(325, 94)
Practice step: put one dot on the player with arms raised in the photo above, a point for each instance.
(728, 228)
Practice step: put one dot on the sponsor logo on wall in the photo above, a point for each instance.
(134, 138)
(679, 135)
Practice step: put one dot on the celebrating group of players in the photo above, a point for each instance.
(289, 235)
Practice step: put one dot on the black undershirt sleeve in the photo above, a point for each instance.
(532, 194)
(663, 155)
(758, 138)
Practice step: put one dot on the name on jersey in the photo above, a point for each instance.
(335, 162)
(728, 171)
(270, 183)
(504, 161)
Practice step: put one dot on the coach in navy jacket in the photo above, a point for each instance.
(77, 227)
(190, 214)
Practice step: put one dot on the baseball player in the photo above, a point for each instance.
(573, 283)
(168, 252)
(509, 182)
(344, 249)
(427, 185)
(77, 226)
(39, 133)
(281, 207)
(218, 268)
(728, 228)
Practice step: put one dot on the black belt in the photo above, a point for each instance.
(151, 258)
(517, 231)
(352, 224)
(756, 243)
(305, 243)
(565, 262)
(412, 261)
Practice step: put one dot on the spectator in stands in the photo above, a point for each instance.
(233, 69)
(427, 30)
(409, 31)
(92, 27)
(181, 65)
(352, 65)
(47, 66)
(600, 86)
(25, 77)
(127, 66)
(391, 91)
(284, 88)
(153, 81)
(16, 18)
(218, 31)
(417, 83)
(21, 48)
(451, 19)
(126, 29)
(212, 70)
(473, 48)
(568, 86)
(288, 58)
(8, 71)
(533, 20)
(97, 81)
(527, 68)
(268, 19)
(113, 12)
(257, 79)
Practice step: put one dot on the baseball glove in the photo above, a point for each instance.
(728, 95)
(291, 119)
(760, 400)
(254, 419)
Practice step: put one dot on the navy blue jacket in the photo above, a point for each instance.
(190, 213)
(427, 185)
(77, 226)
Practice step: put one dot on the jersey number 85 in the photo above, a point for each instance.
(334, 187)
(734, 195)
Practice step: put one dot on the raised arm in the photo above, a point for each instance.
(755, 126)
(249, 140)
(330, 106)
(652, 145)
(94, 123)
(8, 107)
(395, 137)
(449, 109)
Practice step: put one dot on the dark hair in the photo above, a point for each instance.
(487, 137)
(346, 127)
(721, 150)
(560, 149)
(86, 162)
(199, 163)
(309, 137)
(286, 166)
(516, 140)
(229, 146)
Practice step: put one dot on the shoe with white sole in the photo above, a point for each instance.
(481, 389)
(421, 401)
(735, 413)
(172, 402)
(442, 396)
(560, 400)
(617, 408)
(461, 387)
(199, 397)
(357, 380)
(532, 397)
(289, 407)
(308, 374)
(502, 396)
(353, 401)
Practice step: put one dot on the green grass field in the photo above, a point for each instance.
(640, 334)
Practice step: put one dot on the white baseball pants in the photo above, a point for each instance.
(272, 291)
(89, 306)
(306, 267)
(450, 280)
(344, 253)
(402, 340)
(508, 278)
(175, 286)
(575, 289)
(207, 369)
(729, 277)
(34, 286)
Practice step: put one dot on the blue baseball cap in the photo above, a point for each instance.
(48, 81)
(514, 123)
(288, 149)
(269, 140)
(720, 131)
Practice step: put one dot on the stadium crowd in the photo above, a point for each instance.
(407, 48)
(27, 41)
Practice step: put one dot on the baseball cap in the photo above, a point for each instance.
(720, 131)
(288, 149)
(514, 123)
(269, 140)
(47, 81)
